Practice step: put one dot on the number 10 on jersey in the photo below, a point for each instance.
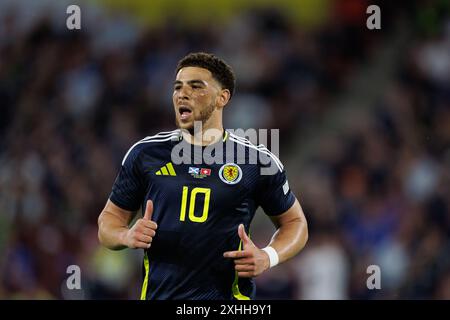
(194, 192)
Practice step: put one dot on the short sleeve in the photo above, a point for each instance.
(275, 196)
(128, 188)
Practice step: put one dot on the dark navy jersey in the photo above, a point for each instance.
(198, 208)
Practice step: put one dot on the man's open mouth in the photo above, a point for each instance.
(185, 112)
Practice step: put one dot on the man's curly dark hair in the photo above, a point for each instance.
(219, 69)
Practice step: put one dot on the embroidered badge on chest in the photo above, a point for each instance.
(230, 173)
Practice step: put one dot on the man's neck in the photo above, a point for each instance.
(203, 137)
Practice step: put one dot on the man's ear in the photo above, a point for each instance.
(223, 97)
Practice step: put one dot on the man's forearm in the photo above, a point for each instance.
(291, 235)
(111, 231)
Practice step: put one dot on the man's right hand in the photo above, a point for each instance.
(141, 234)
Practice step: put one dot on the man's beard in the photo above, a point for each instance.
(205, 114)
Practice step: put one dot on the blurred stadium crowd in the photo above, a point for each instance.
(72, 103)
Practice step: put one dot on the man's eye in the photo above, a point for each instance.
(177, 88)
(196, 87)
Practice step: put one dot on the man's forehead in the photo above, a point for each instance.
(190, 73)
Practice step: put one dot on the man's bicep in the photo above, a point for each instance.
(293, 214)
(126, 216)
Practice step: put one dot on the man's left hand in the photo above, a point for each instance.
(250, 261)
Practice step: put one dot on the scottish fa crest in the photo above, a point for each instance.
(230, 173)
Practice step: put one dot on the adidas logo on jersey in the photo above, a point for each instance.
(166, 170)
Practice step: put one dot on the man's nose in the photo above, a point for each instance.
(184, 93)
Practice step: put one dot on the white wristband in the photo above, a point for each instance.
(273, 255)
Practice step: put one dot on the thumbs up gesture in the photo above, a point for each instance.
(250, 261)
(143, 231)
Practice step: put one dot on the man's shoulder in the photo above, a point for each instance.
(257, 154)
(160, 140)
